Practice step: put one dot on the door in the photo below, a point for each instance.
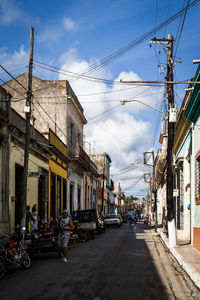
(71, 197)
(53, 196)
(18, 193)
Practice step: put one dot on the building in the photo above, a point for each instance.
(103, 162)
(38, 169)
(192, 158)
(5, 99)
(161, 172)
(182, 174)
(56, 107)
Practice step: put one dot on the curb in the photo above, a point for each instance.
(192, 273)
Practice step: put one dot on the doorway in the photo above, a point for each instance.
(18, 193)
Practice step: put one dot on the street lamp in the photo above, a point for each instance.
(123, 101)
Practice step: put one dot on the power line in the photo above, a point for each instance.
(115, 55)
(182, 25)
(4, 82)
(84, 77)
(108, 132)
(21, 68)
(14, 78)
(89, 119)
(168, 10)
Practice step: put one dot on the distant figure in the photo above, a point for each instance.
(132, 222)
(165, 227)
(73, 215)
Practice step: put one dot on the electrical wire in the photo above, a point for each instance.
(115, 55)
(4, 82)
(168, 10)
(115, 137)
(106, 111)
(12, 71)
(13, 78)
(90, 78)
(182, 25)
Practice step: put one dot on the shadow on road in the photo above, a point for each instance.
(115, 265)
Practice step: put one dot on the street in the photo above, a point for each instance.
(115, 265)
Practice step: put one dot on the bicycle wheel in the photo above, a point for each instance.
(83, 237)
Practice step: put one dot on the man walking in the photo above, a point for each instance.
(64, 225)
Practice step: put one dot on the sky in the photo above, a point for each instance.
(74, 35)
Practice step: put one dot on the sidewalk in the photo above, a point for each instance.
(187, 256)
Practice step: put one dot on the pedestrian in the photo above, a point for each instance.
(73, 215)
(64, 225)
(132, 221)
(150, 219)
(29, 218)
(34, 222)
(165, 227)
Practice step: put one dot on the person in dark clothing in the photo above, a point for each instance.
(29, 218)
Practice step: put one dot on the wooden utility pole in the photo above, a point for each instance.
(27, 110)
(170, 92)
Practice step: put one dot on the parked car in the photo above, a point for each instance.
(87, 221)
(120, 218)
(92, 216)
(112, 220)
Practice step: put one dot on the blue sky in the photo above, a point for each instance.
(74, 34)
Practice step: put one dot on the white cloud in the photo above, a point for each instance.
(8, 12)
(119, 132)
(49, 35)
(14, 60)
(69, 24)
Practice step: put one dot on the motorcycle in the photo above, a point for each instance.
(40, 242)
(12, 253)
(78, 233)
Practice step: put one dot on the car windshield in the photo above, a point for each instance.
(111, 216)
(85, 218)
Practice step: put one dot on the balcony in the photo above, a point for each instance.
(110, 185)
(79, 160)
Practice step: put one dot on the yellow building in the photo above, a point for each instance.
(38, 170)
(57, 176)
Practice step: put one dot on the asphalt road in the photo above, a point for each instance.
(116, 265)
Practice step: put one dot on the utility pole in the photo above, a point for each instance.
(27, 110)
(170, 92)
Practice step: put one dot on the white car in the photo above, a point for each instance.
(112, 220)
(120, 217)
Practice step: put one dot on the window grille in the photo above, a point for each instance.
(197, 179)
